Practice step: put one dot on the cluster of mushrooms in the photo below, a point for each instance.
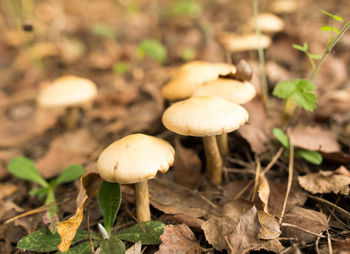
(208, 97)
(209, 94)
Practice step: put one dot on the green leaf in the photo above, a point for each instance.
(299, 47)
(43, 240)
(305, 100)
(109, 197)
(310, 156)
(103, 30)
(121, 67)
(153, 49)
(330, 28)
(70, 174)
(314, 56)
(304, 85)
(81, 248)
(332, 16)
(284, 89)
(112, 245)
(24, 168)
(186, 8)
(281, 137)
(154, 229)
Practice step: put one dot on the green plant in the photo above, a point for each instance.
(152, 49)
(313, 157)
(109, 241)
(103, 30)
(24, 168)
(186, 8)
(300, 91)
(121, 67)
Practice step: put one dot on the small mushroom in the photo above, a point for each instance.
(239, 43)
(70, 93)
(232, 90)
(191, 75)
(133, 160)
(206, 117)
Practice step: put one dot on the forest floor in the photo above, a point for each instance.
(106, 42)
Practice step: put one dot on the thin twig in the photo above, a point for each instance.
(290, 179)
(330, 249)
(89, 233)
(330, 204)
(135, 219)
(256, 180)
(284, 224)
(273, 161)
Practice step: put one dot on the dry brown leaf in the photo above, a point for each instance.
(67, 229)
(70, 148)
(135, 249)
(187, 166)
(270, 229)
(315, 138)
(215, 228)
(245, 237)
(172, 198)
(325, 182)
(6, 189)
(255, 131)
(178, 239)
(306, 224)
(338, 247)
(264, 191)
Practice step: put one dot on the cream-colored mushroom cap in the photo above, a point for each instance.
(232, 90)
(67, 91)
(284, 6)
(135, 158)
(238, 43)
(192, 75)
(204, 116)
(268, 23)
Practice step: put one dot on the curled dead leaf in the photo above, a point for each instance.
(270, 229)
(67, 229)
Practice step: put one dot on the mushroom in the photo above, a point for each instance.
(191, 75)
(133, 160)
(268, 23)
(238, 43)
(232, 90)
(70, 93)
(206, 117)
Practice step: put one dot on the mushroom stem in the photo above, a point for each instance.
(71, 118)
(142, 201)
(214, 161)
(222, 144)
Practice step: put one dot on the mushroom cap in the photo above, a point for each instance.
(204, 116)
(239, 43)
(67, 91)
(135, 158)
(283, 6)
(232, 90)
(268, 23)
(191, 75)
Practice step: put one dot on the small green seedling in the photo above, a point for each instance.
(109, 241)
(186, 8)
(24, 168)
(313, 157)
(304, 48)
(331, 28)
(152, 49)
(121, 67)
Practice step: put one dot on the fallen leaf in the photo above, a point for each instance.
(325, 182)
(315, 139)
(172, 198)
(264, 191)
(67, 229)
(270, 229)
(68, 149)
(187, 166)
(304, 223)
(245, 236)
(135, 249)
(6, 189)
(215, 228)
(178, 239)
(338, 247)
